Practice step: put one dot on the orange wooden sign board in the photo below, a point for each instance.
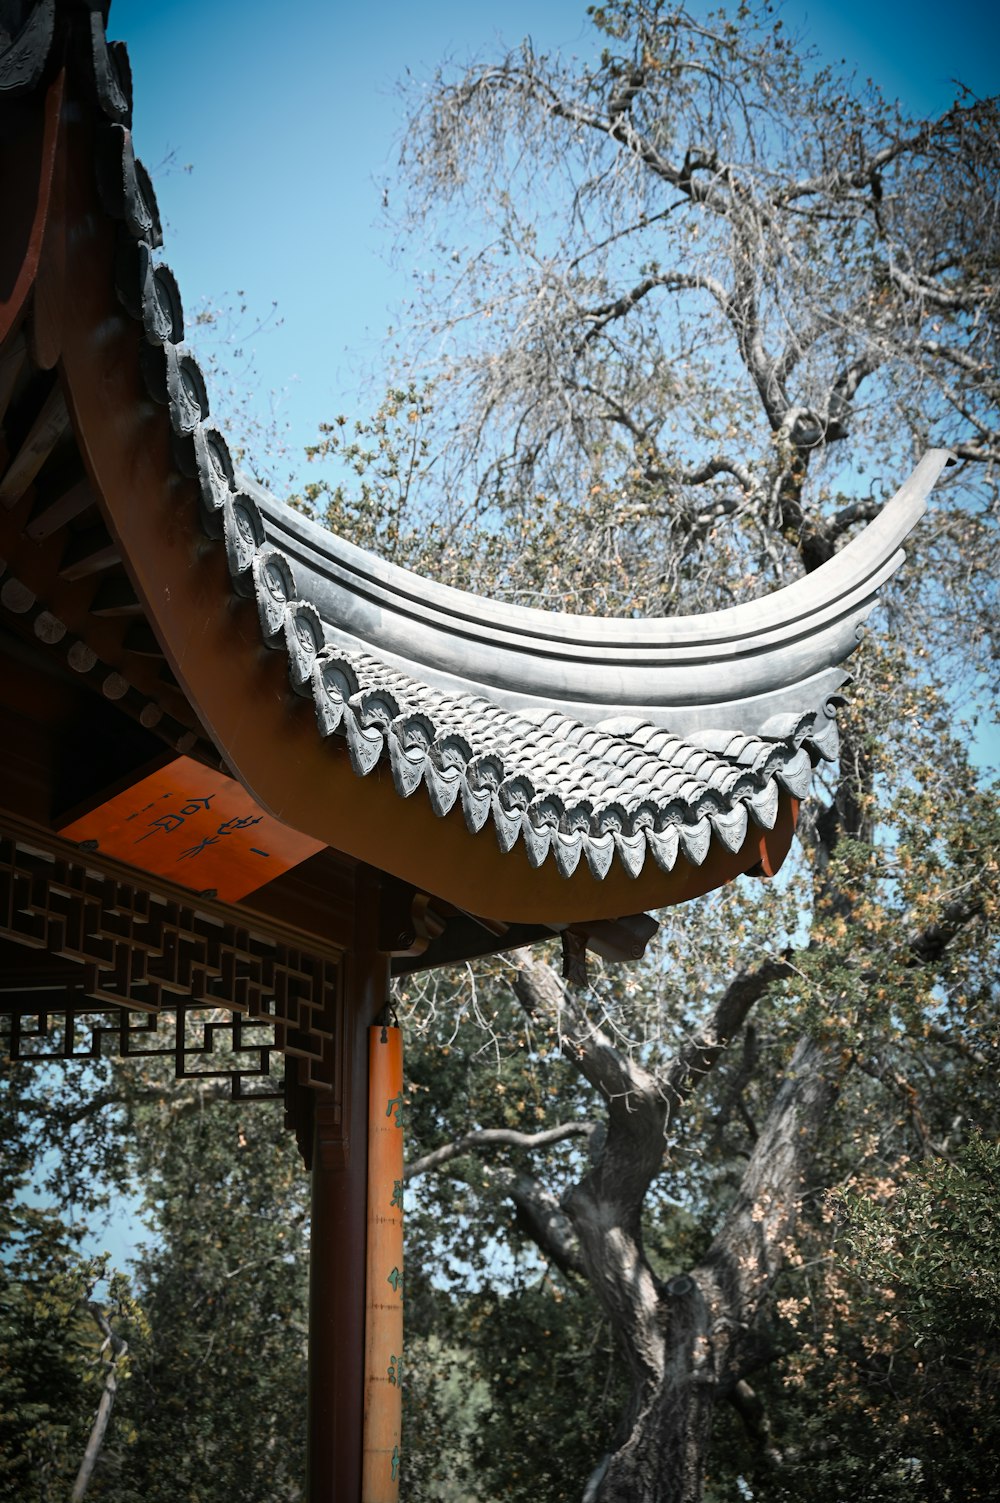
(197, 827)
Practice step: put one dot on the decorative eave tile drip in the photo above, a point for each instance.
(612, 798)
(619, 788)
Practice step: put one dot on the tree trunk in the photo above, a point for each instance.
(116, 1348)
(708, 1319)
(662, 1459)
(689, 1341)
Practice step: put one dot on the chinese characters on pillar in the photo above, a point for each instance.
(384, 1302)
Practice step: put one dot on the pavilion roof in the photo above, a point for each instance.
(592, 744)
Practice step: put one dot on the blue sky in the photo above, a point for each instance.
(290, 120)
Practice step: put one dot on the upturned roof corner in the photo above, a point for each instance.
(650, 759)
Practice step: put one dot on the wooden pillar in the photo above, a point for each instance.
(384, 1323)
(337, 1242)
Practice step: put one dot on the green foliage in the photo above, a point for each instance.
(547, 1360)
(218, 1395)
(375, 487)
(505, 1353)
(47, 1341)
(447, 1404)
(387, 457)
(933, 1242)
(497, 1389)
(211, 1396)
(892, 1381)
(52, 1363)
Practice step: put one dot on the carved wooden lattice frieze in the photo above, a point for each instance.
(133, 951)
(203, 1043)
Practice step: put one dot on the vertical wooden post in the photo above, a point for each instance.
(337, 1239)
(384, 1322)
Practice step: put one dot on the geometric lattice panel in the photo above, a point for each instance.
(131, 949)
(203, 1043)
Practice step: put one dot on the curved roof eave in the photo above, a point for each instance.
(524, 765)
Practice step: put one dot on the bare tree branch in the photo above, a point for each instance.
(669, 281)
(690, 1067)
(545, 1221)
(495, 1137)
(928, 944)
(925, 290)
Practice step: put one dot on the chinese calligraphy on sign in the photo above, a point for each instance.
(197, 827)
(173, 819)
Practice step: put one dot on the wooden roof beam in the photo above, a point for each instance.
(56, 505)
(90, 552)
(50, 426)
